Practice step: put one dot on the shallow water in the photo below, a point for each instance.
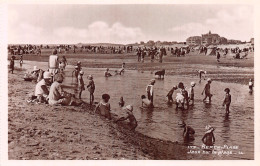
(237, 129)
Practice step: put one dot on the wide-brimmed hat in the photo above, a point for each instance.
(209, 129)
(35, 68)
(227, 90)
(46, 75)
(129, 108)
(209, 79)
(192, 83)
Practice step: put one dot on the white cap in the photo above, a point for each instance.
(209, 79)
(46, 75)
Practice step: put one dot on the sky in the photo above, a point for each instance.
(124, 24)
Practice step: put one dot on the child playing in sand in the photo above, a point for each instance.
(81, 85)
(191, 92)
(145, 101)
(121, 102)
(208, 139)
(107, 74)
(227, 100)
(103, 108)
(251, 84)
(169, 95)
(207, 91)
(130, 116)
(91, 88)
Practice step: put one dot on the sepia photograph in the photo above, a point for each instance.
(130, 81)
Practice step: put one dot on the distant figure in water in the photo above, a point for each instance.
(188, 132)
(218, 56)
(121, 102)
(169, 95)
(132, 120)
(250, 84)
(209, 138)
(150, 91)
(200, 72)
(91, 88)
(207, 91)
(191, 92)
(107, 74)
(227, 100)
(146, 102)
(81, 84)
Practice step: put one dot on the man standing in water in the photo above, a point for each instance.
(150, 92)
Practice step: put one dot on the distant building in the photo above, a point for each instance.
(194, 40)
(231, 41)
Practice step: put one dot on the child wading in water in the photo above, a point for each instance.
(169, 95)
(208, 139)
(121, 102)
(91, 88)
(207, 91)
(130, 116)
(146, 102)
(227, 100)
(81, 84)
(103, 108)
(250, 84)
(184, 94)
(150, 91)
(191, 92)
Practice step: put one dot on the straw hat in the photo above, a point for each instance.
(192, 83)
(81, 72)
(129, 108)
(46, 75)
(35, 68)
(209, 80)
(227, 90)
(209, 129)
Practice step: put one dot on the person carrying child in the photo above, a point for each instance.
(103, 108)
(191, 92)
(81, 84)
(227, 100)
(132, 120)
(208, 139)
(91, 88)
(169, 95)
(207, 91)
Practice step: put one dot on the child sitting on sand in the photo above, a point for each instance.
(81, 84)
(121, 102)
(91, 88)
(103, 108)
(169, 95)
(208, 139)
(145, 101)
(107, 74)
(227, 100)
(130, 116)
(207, 91)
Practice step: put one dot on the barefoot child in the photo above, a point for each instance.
(207, 91)
(81, 85)
(169, 95)
(208, 139)
(130, 116)
(121, 102)
(191, 92)
(91, 88)
(145, 101)
(227, 100)
(103, 108)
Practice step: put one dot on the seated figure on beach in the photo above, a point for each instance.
(107, 74)
(41, 91)
(55, 95)
(146, 102)
(103, 108)
(132, 120)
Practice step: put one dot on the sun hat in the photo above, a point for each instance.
(129, 107)
(209, 129)
(46, 75)
(209, 80)
(152, 80)
(81, 72)
(192, 83)
(35, 68)
(227, 90)
(90, 77)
